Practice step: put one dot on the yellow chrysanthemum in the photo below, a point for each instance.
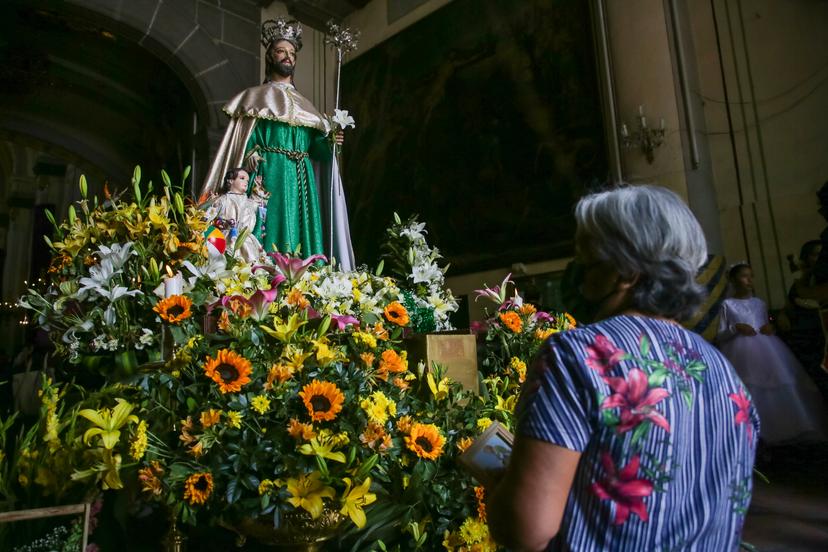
(425, 441)
(323, 400)
(260, 404)
(483, 423)
(519, 367)
(234, 419)
(198, 487)
(366, 339)
(378, 407)
(266, 486)
(229, 370)
(475, 533)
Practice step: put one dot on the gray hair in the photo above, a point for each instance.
(650, 232)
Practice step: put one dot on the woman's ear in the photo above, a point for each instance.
(625, 283)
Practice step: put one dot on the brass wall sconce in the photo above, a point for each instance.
(645, 138)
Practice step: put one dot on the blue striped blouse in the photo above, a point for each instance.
(666, 431)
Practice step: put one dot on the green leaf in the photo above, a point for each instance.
(644, 345)
(656, 379)
(639, 432)
(687, 395)
(380, 266)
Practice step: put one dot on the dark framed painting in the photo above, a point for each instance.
(485, 119)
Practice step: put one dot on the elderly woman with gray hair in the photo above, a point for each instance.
(633, 433)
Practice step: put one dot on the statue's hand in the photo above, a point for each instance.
(253, 161)
(339, 137)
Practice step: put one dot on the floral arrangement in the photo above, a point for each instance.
(259, 394)
(414, 262)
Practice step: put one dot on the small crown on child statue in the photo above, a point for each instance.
(282, 29)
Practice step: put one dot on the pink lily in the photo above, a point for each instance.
(343, 320)
(479, 327)
(602, 355)
(623, 488)
(497, 293)
(261, 300)
(743, 412)
(543, 316)
(294, 267)
(636, 400)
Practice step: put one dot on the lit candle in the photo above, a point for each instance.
(174, 285)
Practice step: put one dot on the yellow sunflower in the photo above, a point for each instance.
(323, 400)
(229, 370)
(174, 308)
(425, 441)
(396, 313)
(198, 487)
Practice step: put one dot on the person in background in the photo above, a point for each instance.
(632, 432)
(789, 404)
(802, 326)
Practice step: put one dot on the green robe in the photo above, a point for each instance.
(263, 119)
(293, 215)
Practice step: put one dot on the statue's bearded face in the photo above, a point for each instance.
(281, 58)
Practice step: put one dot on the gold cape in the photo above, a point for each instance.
(272, 101)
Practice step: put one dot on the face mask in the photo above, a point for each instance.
(584, 310)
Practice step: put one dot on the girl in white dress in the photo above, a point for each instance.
(789, 404)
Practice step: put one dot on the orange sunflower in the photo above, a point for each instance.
(229, 370)
(512, 320)
(396, 313)
(323, 400)
(425, 441)
(198, 487)
(174, 308)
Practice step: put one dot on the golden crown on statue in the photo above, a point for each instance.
(282, 29)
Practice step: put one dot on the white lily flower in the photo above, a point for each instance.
(426, 273)
(342, 119)
(116, 254)
(98, 279)
(414, 232)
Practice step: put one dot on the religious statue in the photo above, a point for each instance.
(239, 216)
(275, 133)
